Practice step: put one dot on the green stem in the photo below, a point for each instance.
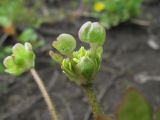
(92, 99)
(47, 98)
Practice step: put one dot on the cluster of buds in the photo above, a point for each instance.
(21, 60)
(80, 66)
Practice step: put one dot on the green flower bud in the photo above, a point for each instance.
(80, 53)
(65, 44)
(22, 59)
(69, 69)
(82, 67)
(86, 68)
(92, 33)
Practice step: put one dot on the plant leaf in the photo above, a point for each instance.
(134, 107)
(29, 35)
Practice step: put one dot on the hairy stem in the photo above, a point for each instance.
(92, 99)
(47, 98)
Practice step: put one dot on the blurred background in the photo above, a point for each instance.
(131, 54)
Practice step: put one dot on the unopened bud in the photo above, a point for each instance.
(65, 44)
(92, 33)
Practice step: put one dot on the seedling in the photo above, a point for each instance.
(82, 66)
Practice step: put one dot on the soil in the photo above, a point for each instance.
(129, 60)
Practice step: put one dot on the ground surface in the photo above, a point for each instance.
(129, 57)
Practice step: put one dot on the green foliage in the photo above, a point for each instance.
(30, 35)
(16, 12)
(134, 107)
(4, 52)
(113, 12)
(5, 22)
(21, 60)
(80, 66)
